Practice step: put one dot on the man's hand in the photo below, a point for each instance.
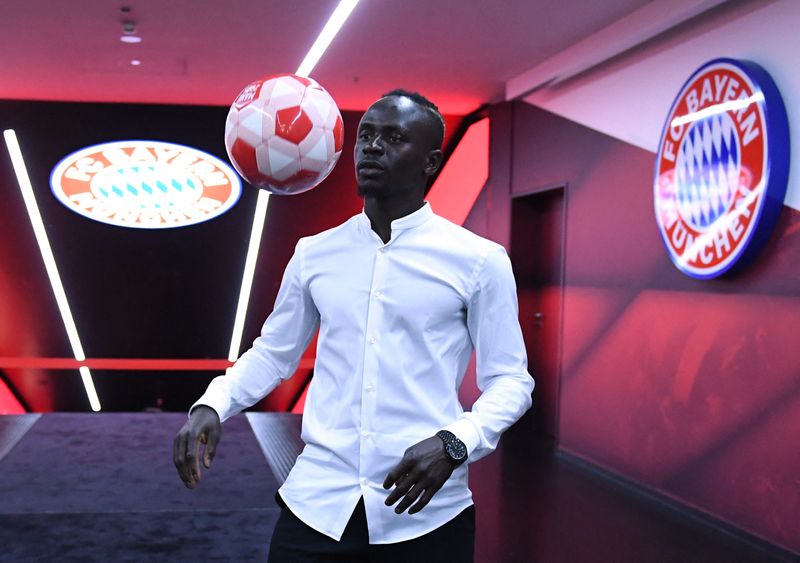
(425, 467)
(203, 427)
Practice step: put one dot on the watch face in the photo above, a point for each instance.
(457, 450)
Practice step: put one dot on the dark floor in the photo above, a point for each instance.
(538, 505)
(83, 487)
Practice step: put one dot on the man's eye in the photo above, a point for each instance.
(395, 138)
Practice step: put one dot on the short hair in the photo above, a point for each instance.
(422, 102)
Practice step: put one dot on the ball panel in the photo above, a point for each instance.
(262, 159)
(284, 159)
(243, 158)
(300, 182)
(265, 93)
(306, 82)
(314, 150)
(231, 128)
(250, 126)
(317, 104)
(286, 93)
(338, 134)
(292, 124)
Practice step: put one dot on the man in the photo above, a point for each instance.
(401, 298)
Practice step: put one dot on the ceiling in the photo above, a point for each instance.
(460, 53)
(172, 293)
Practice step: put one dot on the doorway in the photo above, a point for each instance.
(537, 256)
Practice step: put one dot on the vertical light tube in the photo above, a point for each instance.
(35, 216)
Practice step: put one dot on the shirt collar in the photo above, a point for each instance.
(414, 219)
(409, 221)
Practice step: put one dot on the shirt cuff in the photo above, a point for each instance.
(209, 401)
(465, 431)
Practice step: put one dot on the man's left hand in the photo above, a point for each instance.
(420, 474)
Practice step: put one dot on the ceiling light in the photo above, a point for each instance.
(136, 62)
(130, 39)
(335, 23)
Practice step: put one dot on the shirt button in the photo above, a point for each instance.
(382, 249)
(372, 340)
(364, 481)
(378, 294)
(369, 388)
(365, 433)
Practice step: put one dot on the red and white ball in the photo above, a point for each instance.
(284, 134)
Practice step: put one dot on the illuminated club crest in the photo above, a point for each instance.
(145, 184)
(721, 168)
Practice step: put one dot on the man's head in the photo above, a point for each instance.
(398, 146)
(436, 119)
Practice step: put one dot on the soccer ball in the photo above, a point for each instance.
(284, 134)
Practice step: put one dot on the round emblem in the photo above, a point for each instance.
(145, 184)
(722, 168)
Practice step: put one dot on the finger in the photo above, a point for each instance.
(175, 454)
(404, 485)
(409, 499)
(189, 453)
(423, 500)
(397, 472)
(182, 463)
(210, 449)
(195, 461)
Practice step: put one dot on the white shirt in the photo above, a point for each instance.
(398, 323)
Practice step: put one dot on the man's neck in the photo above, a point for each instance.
(381, 213)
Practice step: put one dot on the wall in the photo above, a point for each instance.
(687, 387)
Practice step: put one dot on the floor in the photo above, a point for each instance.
(85, 487)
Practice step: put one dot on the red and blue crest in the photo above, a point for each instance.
(722, 168)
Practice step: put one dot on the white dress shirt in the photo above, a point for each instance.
(398, 323)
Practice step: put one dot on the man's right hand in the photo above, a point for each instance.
(203, 427)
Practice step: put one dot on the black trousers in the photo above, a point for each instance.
(295, 542)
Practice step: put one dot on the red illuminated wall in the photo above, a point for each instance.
(688, 387)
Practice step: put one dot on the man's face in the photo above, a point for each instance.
(395, 149)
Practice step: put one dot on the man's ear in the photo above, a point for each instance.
(433, 162)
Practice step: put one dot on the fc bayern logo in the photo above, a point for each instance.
(145, 184)
(722, 168)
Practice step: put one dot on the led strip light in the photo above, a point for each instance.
(335, 23)
(50, 264)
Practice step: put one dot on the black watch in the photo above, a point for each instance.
(455, 449)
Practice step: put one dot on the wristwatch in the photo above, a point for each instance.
(453, 447)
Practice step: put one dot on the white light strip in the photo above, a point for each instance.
(49, 261)
(335, 23)
(732, 105)
(88, 384)
(249, 272)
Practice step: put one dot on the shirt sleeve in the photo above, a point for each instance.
(502, 365)
(275, 354)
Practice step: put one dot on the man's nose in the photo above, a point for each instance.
(373, 146)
